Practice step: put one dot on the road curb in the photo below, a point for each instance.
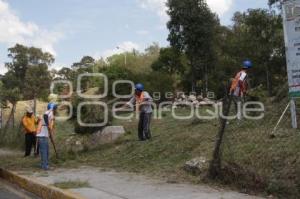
(36, 187)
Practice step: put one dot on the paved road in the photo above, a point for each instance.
(7, 191)
(114, 185)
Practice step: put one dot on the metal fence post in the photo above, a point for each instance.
(294, 113)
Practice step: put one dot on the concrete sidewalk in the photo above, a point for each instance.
(113, 185)
(9, 191)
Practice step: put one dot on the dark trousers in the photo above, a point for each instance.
(30, 141)
(144, 126)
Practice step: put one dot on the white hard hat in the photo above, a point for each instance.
(29, 110)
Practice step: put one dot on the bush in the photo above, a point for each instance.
(12, 138)
(156, 82)
(90, 114)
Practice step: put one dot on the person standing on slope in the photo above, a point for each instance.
(142, 101)
(44, 131)
(29, 125)
(240, 85)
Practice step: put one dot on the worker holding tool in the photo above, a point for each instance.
(239, 85)
(142, 101)
(29, 125)
(45, 131)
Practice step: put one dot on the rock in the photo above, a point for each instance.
(195, 102)
(74, 144)
(199, 97)
(207, 102)
(192, 98)
(220, 103)
(203, 103)
(176, 104)
(196, 166)
(166, 109)
(78, 146)
(108, 135)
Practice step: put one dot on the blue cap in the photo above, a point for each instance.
(139, 87)
(247, 64)
(51, 106)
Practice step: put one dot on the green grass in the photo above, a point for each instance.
(72, 184)
(254, 161)
(172, 145)
(12, 138)
(251, 160)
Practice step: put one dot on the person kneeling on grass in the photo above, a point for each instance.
(44, 130)
(142, 101)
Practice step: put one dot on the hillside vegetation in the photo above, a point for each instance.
(252, 161)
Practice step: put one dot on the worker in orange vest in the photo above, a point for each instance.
(142, 101)
(239, 85)
(29, 124)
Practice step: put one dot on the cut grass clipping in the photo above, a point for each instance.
(72, 184)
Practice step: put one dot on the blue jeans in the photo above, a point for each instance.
(44, 152)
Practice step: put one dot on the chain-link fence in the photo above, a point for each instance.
(255, 155)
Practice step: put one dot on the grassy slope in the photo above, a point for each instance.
(172, 145)
(255, 161)
(252, 160)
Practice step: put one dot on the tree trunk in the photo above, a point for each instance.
(269, 81)
(13, 114)
(11, 118)
(1, 117)
(34, 105)
(206, 81)
(193, 76)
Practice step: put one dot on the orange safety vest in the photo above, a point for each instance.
(139, 100)
(238, 83)
(29, 124)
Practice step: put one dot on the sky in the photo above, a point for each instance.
(71, 29)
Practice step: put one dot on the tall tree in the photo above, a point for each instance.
(19, 63)
(170, 61)
(85, 65)
(66, 74)
(259, 36)
(85, 62)
(272, 2)
(192, 30)
(11, 92)
(24, 59)
(37, 83)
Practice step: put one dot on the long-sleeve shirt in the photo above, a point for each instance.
(145, 106)
(29, 123)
